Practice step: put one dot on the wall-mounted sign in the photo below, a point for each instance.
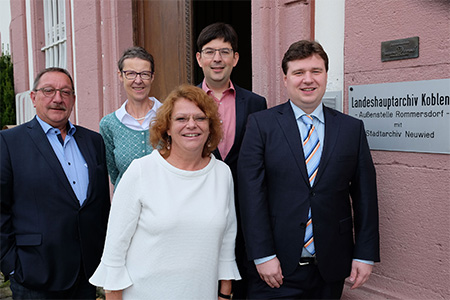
(400, 49)
(409, 116)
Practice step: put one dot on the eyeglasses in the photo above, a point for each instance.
(210, 52)
(51, 92)
(131, 75)
(198, 119)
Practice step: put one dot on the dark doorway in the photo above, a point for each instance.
(237, 13)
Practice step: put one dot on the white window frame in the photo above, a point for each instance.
(55, 33)
(330, 33)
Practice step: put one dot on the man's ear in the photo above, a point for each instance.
(33, 98)
(236, 58)
(198, 56)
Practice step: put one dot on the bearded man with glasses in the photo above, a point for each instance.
(54, 197)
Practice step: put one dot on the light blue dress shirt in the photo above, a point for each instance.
(70, 157)
(318, 122)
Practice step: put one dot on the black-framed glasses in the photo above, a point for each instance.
(51, 92)
(210, 52)
(131, 75)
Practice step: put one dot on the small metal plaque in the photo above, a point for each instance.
(400, 49)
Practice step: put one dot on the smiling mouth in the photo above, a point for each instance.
(308, 89)
(191, 134)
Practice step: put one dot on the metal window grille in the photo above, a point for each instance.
(25, 110)
(55, 33)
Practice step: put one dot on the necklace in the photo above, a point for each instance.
(150, 105)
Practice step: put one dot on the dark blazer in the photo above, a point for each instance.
(275, 194)
(246, 103)
(45, 234)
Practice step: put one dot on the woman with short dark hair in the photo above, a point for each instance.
(125, 131)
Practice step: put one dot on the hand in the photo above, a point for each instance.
(270, 272)
(360, 273)
(113, 295)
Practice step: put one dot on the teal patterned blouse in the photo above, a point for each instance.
(123, 145)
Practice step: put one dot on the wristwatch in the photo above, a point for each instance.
(226, 296)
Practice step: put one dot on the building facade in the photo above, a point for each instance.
(88, 37)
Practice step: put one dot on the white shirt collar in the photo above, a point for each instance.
(125, 118)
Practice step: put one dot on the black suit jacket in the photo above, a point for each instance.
(275, 194)
(246, 103)
(45, 234)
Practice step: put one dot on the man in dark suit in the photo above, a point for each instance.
(280, 190)
(217, 56)
(54, 197)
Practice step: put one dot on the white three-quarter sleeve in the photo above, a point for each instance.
(112, 273)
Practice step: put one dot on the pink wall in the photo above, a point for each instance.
(19, 42)
(103, 29)
(37, 35)
(414, 188)
(19, 48)
(275, 26)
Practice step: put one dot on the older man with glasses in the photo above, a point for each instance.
(54, 197)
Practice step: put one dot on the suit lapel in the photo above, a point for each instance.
(87, 153)
(331, 133)
(240, 117)
(240, 109)
(241, 112)
(217, 154)
(43, 145)
(289, 126)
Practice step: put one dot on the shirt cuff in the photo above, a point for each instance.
(259, 261)
(369, 262)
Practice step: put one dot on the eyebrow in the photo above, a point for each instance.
(304, 70)
(51, 86)
(188, 115)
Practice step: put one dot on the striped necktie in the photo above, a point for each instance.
(312, 151)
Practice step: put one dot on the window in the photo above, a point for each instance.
(55, 33)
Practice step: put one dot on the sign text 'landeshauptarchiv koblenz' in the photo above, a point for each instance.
(409, 116)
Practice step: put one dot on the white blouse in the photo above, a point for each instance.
(171, 233)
